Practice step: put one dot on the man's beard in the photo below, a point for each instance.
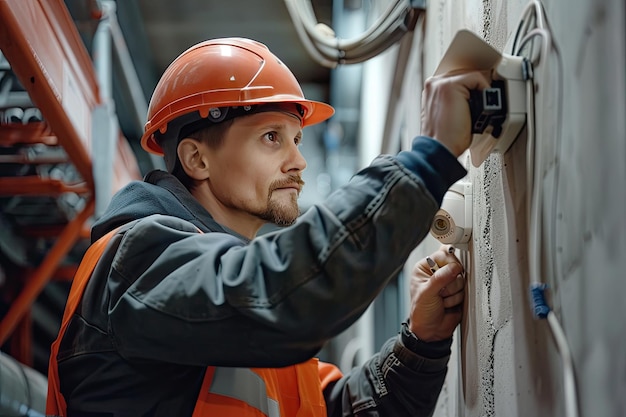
(282, 214)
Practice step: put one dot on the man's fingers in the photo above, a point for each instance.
(472, 80)
(453, 300)
(443, 276)
(454, 287)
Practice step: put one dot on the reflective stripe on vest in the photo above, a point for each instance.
(244, 385)
(292, 391)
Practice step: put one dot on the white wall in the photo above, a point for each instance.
(508, 363)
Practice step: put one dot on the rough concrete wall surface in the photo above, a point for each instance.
(573, 239)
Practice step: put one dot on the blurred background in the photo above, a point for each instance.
(76, 77)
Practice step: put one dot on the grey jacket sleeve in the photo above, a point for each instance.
(396, 382)
(211, 299)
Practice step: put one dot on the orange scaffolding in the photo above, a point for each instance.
(42, 44)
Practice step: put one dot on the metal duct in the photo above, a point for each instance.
(22, 389)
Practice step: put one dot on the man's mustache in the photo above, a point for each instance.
(288, 182)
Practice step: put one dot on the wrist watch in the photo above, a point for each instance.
(436, 349)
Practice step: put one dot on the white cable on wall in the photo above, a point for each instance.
(533, 15)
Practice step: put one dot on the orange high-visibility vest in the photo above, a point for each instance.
(292, 391)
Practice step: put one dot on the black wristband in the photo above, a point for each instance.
(431, 350)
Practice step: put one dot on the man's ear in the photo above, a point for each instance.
(191, 154)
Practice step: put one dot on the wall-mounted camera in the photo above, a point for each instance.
(453, 222)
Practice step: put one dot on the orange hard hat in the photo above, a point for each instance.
(226, 72)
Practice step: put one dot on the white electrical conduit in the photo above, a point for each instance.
(328, 50)
(534, 12)
(390, 16)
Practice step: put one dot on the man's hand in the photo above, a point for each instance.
(436, 298)
(445, 107)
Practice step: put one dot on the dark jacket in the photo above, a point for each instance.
(166, 301)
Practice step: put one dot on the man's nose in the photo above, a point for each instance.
(296, 160)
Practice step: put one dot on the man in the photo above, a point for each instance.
(188, 312)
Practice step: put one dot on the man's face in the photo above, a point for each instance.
(257, 169)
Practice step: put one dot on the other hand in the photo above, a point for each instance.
(436, 298)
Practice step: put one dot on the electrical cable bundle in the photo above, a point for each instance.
(324, 47)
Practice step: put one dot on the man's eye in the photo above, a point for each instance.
(271, 137)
